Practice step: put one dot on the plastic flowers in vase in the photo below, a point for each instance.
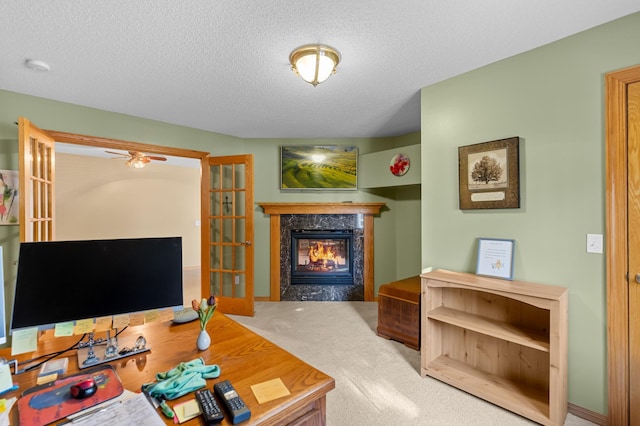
(205, 309)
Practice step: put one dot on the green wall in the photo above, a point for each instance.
(553, 99)
(393, 259)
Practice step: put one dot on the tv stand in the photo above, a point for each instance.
(95, 352)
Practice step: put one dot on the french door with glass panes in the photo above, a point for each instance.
(36, 152)
(227, 233)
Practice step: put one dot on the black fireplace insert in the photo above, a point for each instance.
(322, 257)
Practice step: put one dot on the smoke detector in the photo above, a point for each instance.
(36, 65)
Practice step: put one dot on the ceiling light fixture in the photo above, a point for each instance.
(35, 65)
(136, 161)
(314, 62)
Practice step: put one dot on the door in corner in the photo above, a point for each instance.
(227, 233)
(36, 153)
(633, 203)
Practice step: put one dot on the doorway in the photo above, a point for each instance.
(118, 187)
(99, 196)
(230, 176)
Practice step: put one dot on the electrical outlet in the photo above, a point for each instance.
(594, 243)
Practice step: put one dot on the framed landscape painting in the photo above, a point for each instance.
(313, 167)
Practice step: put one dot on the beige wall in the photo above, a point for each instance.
(100, 198)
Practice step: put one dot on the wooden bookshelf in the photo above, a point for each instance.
(503, 341)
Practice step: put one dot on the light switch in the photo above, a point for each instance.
(594, 243)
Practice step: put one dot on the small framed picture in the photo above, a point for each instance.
(495, 258)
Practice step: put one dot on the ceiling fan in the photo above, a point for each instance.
(137, 159)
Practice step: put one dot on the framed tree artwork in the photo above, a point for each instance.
(489, 175)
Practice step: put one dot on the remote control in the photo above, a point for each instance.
(209, 407)
(231, 400)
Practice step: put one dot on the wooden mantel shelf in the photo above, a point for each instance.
(277, 209)
(321, 208)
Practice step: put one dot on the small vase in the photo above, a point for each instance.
(204, 341)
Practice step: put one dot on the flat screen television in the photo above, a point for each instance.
(59, 281)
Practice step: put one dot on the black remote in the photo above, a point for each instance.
(209, 407)
(231, 400)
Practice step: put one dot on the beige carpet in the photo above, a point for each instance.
(378, 381)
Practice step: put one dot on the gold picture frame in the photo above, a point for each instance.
(489, 175)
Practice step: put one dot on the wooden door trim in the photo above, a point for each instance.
(124, 145)
(616, 243)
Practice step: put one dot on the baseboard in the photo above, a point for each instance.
(262, 299)
(589, 415)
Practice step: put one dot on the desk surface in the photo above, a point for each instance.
(244, 357)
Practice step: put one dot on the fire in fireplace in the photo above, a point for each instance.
(322, 257)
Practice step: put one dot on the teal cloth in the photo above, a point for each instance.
(184, 378)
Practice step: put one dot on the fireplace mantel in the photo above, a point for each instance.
(277, 209)
(321, 208)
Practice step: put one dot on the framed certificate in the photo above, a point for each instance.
(495, 258)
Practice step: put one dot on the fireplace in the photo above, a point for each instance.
(318, 280)
(322, 257)
(317, 216)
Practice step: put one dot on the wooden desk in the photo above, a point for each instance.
(244, 357)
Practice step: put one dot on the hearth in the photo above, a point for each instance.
(322, 257)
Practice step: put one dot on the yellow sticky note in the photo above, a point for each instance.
(83, 326)
(186, 410)
(136, 318)
(103, 323)
(270, 390)
(152, 315)
(41, 380)
(120, 321)
(24, 341)
(5, 377)
(166, 314)
(63, 329)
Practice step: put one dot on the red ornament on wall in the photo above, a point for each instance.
(399, 165)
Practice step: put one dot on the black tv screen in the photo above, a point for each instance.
(60, 281)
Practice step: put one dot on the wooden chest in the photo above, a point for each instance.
(399, 311)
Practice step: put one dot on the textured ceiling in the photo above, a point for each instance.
(222, 65)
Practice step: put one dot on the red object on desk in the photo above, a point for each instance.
(53, 401)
